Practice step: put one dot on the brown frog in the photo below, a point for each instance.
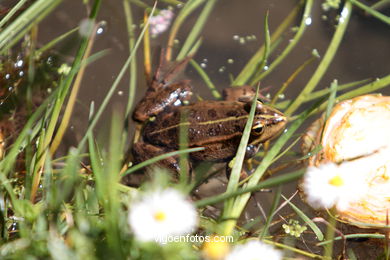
(215, 125)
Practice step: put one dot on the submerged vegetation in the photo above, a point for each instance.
(76, 205)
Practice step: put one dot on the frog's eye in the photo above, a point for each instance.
(258, 129)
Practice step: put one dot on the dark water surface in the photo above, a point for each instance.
(364, 53)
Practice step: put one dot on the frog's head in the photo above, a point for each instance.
(267, 123)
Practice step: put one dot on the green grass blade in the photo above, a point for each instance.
(357, 235)
(252, 64)
(322, 93)
(188, 8)
(332, 99)
(239, 158)
(307, 220)
(241, 201)
(12, 12)
(160, 157)
(24, 22)
(368, 88)
(114, 85)
(271, 214)
(328, 57)
(267, 44)
(197, 28)
(133, 63)
(372, 11)
(306, 15)
(269, 183)
(53, 42)
(206, 79)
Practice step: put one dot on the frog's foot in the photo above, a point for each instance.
(144, 151)
(155, 101)
(167, 72)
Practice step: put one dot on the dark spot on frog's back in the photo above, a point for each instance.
(232, 113)
(165, 123)
(237, 128)
(212, 113)
(172, 133)
(214, 131)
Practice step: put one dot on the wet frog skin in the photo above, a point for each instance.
(217, 126)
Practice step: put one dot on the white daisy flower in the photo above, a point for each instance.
(254, 250)
(335, 185)
(162, 214)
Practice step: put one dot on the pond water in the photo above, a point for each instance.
(364, 53)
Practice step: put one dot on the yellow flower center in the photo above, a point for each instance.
(213, 250)
(160, 216)
(336, 181)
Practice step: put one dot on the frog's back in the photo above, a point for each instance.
(208, 122)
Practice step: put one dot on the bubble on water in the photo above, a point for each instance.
(222, 69)
(230, 61)
(205, 60)
(50, 61)
(242, 40)
(14, 226)
(203, 65)
(281, 96)
(85, 27)
(236, 37)
(120, 93)
(21, 73)
(179, 5)
(265, 67)
(10, 88)
(308, 21)
(7, 76)
(19, 64)
(72, 127)
(102, 27)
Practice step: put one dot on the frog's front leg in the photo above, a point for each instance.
(251, 151)
(143, 151)
(155, 101)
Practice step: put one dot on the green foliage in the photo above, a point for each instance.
(75, 207)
